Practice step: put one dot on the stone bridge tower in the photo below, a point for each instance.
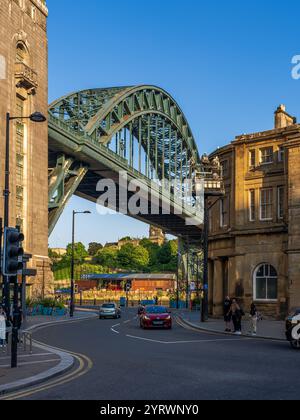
(24, 90)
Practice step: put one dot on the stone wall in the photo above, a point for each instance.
(24, 79)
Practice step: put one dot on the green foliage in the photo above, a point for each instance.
(65, 272)
(80, 253)
(146, 257)
(94, 247)
(107, 257)
(153, 250)
(133, 258)
(91, 269)
(53, 255)
(46, 303)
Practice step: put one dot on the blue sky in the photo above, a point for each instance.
(227, 63)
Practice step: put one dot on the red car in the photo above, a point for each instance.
(156, 317)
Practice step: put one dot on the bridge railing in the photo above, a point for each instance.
(159, 186)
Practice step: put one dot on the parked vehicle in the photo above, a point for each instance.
(292, 332)
(156, 317)
(110, 310)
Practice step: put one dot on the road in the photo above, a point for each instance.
(132, 364)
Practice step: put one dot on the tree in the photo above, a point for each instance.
(132, 257)
(94, 247)
(168, 253)
(107, 257)
(80, 253)
(125, 256)
(141, 258)
(153, 250)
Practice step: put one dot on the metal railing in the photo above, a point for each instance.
(25, 341)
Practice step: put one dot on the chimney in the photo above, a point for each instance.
(283, 119)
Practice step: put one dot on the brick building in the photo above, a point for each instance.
(255, 229)
(24, 90)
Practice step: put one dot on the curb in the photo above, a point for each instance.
(66, 363)
(191, 324)
(65, 321)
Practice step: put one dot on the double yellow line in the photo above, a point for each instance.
(84, 365)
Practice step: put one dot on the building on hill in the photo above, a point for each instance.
(156, 236)
(254, 242)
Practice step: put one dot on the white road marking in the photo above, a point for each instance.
(113, 328)
(178, 342)
(27, 355)
(32, 363)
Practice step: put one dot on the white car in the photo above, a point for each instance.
(109, 310)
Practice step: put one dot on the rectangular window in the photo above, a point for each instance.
(266, 204)
(252, 157)
(281, 154)
(252, 207)
(225, 168)
(281, 202)
(266, 155)
(224, 219)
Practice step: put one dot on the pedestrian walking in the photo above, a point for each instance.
(227, 314)
(2, 328)
(253, 319)
(237, 314)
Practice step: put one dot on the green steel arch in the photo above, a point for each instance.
(143, 125)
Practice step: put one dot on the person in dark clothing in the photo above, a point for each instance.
(237, 315)
(227, 315)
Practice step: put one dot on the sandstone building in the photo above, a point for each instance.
(24, 90)
(254, 247)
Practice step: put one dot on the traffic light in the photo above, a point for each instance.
(12, 252)
(128, 286)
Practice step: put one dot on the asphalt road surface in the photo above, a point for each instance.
(132, 364)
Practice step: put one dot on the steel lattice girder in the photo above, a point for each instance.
(138, 129)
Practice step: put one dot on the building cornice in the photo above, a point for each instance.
(41, 5)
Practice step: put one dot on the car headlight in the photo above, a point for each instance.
(147, 318)
(168, 318)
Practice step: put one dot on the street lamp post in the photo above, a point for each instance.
(72, 302)
(36, 117)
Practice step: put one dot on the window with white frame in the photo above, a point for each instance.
(266, 204)
(252, 207)
(266, 155)
(265, 283)
(280, 195)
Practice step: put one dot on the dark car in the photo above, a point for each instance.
(292, 332)
(156, 317)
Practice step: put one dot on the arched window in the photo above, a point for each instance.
(21, 53)
(265, 283)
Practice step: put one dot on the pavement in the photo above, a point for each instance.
(40, 363)
(267, 329)
(183, 364)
